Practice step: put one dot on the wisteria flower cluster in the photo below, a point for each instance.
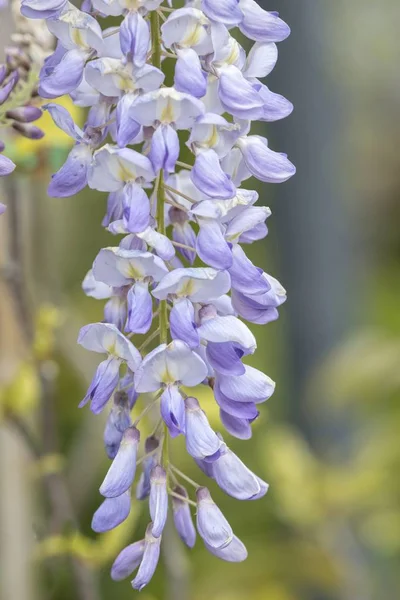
(180, 269)
(18, 94)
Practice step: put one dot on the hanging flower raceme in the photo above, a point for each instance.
(178, 282)
(18, 93)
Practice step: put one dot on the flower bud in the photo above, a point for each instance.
(150, 559)
(158, 502)
(211, 523)
(8, 87)
(29, 131)
(201, 441)
(24, 114)
(111, 513)
(127, 561)
(183, 518)
(121, 474)
(143, 486)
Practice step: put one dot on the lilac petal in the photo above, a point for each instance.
(111, 513)
(184, 234)
(225, 358)
(135, 38)
(121, 474)
(42, 9)
(276, 107)
(260, 308)
(182, 323)
(127, 383)
(260, 25)
(261, 60)
(115, 311)
(118, 421)
(103, 385)
(127, 561)
(8, 87)
(253, 386)
(112, 438)
(106, 338)
(143, 486)
(6, 165)
(158, 502)
(127, 128)
(233, 552)
(205, 466)
(245, 277)
(63, 77)
(249, 310)
(160, 243)
(173, 410)
(208, 176)
(63, 120)
(264, 163)
(140, 309)
(211, 245)
(228, 329)
(136, 208)
(240, 410)
(189, 76)
(239, 428)
(115, 208)
(234, 478)
(201, 441)
(211, 523)
(149, 562)
(3, 208)
(183, 518)
(164, 151)
(73, 175)
(226, 12)
(238, 96)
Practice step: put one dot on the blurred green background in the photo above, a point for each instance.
(327, 441)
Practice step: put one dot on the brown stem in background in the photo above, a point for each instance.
(55, 485)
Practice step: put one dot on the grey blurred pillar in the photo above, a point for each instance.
(311, 212)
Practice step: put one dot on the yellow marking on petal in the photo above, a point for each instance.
(78, 38)
(124, 173)
(234, 55)
(125, 82)
(132, 4)
(187, 288)
(193, 37)
(212, 141)
(166, 377)
(167, 115)
(111, 347)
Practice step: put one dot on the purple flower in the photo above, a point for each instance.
(158, 501)
(149, 562)
(182, 516)
(127, 561)
(121, 474)
(168, 214)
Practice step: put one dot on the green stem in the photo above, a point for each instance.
(185, 477)
(156, 38)
(160, 191)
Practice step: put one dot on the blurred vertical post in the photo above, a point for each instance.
(312, 212)
(16, 533)
(318, 244)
